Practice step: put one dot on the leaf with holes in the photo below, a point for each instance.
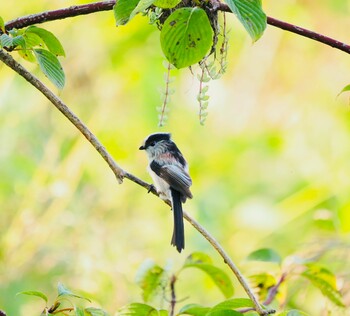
(186, 37)
(166, 4)
(150, 277)
(251, 15)
(51, 41)
(325, 281)
(123, 9)
(51, 67)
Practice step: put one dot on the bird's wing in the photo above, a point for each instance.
(175, 176)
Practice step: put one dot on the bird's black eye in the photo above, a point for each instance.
(152, 144)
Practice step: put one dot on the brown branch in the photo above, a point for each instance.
(118, 171)
(108, 5)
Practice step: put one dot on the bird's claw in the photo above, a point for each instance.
(151, 188)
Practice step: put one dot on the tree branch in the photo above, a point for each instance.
(108, 5)
(119, 172)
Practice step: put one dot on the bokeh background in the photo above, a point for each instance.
(270, 167)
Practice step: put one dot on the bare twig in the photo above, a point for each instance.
(118, 171)
(108, 5)
(173, 295)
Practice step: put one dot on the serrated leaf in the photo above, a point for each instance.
(50, 66)
(63, 291)
(137, 309)
(6, 41)
(203, 262)
(186, 36)
(251, 15)
(2, 24)
(51, 41)
(93, 311)
(325, 281)
(122, 10)
(265, 254)
(194, 310)
(345, 89)
(141, 6)
(149, 277)
(34, 293)
(166, 4)
(293, 312)
(233, 304)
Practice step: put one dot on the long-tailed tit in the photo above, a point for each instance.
(169, 171)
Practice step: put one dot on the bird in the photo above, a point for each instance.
(170, 173)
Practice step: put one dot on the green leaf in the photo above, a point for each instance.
(50, 66)
(265, 254)
(141, 6)
(345, 89)
(198, 257)
(79, 311)
(194, 310)
(34, 293)
(233, 304)
(19, 41)
(93, 311)
(6, 41)
(149, 277)
(220, 278)
(137, 309)
(123, 9)
(63, 291)
(293, 312)
(51, 41)
(225, 312)
(251, 15)
(32, 40)
(325, 281)
(2, 24)
(186, 37)
(27, 55)
(166, 4)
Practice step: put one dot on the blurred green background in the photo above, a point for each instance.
(270, 167)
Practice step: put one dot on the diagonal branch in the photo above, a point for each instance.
(120, 173)
(108, 5)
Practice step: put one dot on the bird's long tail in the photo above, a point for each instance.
(178, 239)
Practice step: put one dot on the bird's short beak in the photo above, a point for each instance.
(142, 147)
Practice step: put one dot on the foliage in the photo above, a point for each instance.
(26, 43)
(63, 305)
(156, 281)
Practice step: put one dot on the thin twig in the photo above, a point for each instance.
(230, 263)
(119, 172)
(108, 5)
(173, 295)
